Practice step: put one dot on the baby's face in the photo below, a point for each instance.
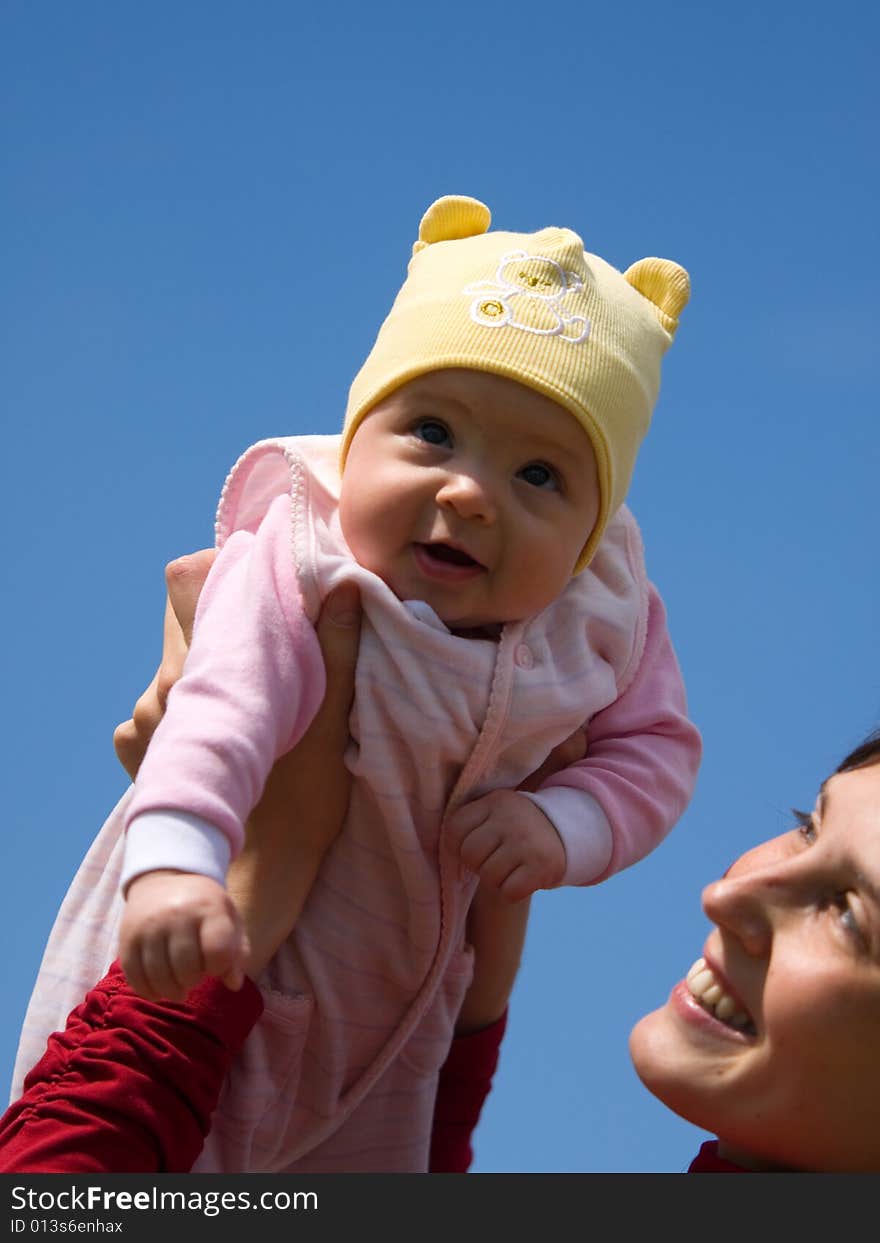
(470, 492)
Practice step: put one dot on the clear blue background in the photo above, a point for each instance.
(206, 210)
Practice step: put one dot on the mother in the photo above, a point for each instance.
(771, 1043)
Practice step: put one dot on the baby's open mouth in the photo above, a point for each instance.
(449, 555)
(703, 986)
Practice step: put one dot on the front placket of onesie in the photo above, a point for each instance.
(480, 759)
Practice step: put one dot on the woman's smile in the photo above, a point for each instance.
(711, 992)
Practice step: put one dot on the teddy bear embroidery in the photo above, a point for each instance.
(532, 293)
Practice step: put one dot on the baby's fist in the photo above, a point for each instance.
(508, 841)
(177, 928)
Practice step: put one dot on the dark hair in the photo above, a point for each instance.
(867, 752)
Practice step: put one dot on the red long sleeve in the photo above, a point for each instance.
(129, 1086)
(465, 1082)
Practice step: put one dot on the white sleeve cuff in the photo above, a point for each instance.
(176, 840)
(584, 828)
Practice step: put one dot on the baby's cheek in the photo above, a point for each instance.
(355, 520)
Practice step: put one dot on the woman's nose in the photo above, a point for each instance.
(741, 906)
(470, 495)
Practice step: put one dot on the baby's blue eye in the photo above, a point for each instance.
(539, 475)
(432, 432)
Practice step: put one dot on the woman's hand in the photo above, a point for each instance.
(306, 795)
(305, 800)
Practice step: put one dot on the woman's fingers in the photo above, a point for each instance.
(184, 579)
(338, 631)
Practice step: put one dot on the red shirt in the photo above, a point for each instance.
(130, 1085)
(707, 1161)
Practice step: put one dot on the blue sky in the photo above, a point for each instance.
(207, 209)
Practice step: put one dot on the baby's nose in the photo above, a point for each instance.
(469, 494)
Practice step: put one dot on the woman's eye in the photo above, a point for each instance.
(848, 919)
(539, 476)
(432, 432)
(805, 826)
(840, 902)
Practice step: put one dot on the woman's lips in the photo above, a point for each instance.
(686, 1005)
(707, 983)
(451, 565)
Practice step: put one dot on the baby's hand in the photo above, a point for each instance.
(509, 842)
(177, 928)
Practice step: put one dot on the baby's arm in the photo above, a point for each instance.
(605, 811)
(252, 682)
(617, 804)
(509, 842)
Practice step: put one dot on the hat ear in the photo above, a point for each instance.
(665, 284)
(450, 218)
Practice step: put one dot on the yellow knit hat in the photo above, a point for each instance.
(536, 308)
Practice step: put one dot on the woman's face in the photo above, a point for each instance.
(780, 1055)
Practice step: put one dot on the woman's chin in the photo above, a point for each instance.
(671, 1069)
(650, 1052)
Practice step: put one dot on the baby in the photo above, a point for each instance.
(476, 497)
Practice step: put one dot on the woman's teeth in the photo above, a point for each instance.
(708, 992)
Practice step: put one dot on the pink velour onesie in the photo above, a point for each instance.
(360, 1003)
